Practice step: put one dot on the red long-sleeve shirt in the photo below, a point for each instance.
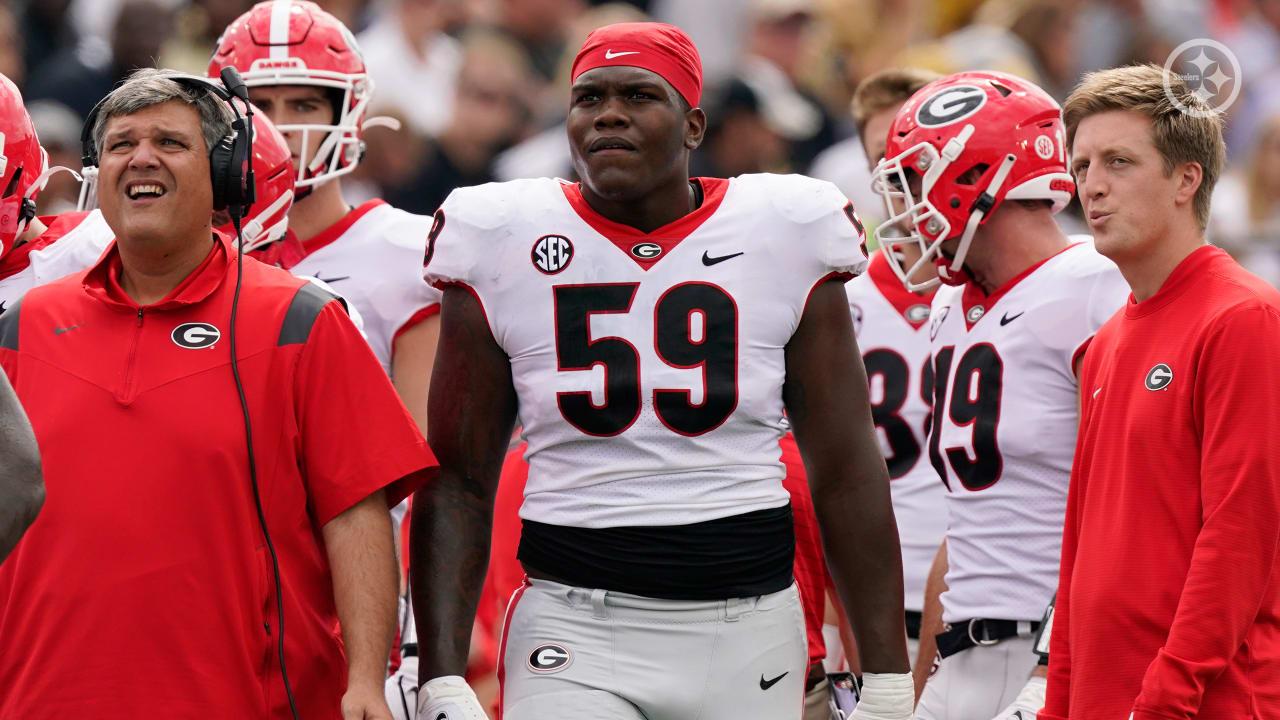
(1168, 603)
(145, 588)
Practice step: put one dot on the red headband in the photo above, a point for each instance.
(657, 47)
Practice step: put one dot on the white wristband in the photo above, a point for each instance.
(886, 696)
(450, 695)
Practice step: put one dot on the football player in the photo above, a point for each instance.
(304, 70)
(27, 253)
(891, 324)
(651, 329)
(975, 169)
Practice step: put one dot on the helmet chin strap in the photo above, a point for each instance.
(28, 211)
(954, 272)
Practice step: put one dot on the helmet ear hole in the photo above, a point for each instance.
(972, 175)
(12, 187)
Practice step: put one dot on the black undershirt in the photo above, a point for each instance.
(737, 556)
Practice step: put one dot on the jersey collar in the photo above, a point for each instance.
(974, 297)
(336, 230)
(103, 279)
(898, 296)
(1178, 281)
(666, 237)
(17, 259)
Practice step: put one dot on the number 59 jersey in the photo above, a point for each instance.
(1004, 426)
(648, 366)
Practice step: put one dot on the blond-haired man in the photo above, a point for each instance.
(1168, 604)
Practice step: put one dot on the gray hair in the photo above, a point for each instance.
(148, 87)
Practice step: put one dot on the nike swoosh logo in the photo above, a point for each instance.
(766, 684)
(59, 331)
(442, 716)
(1005, 319)
(709, 261)
(1018, 715)
(609, 54)
(333, 280)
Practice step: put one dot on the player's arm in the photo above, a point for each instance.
(21, 481)
(931, 619)
(826, 398)
(365, 588)
(1233, 562)
(471, 415)
(413, 355)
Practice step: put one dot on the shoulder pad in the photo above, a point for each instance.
(492, 205)
(798, 198)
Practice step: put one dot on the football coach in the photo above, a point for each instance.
(215, 539)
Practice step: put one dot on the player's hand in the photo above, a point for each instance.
(402, 690)
(363, 702)
(1028, 703)
(885, 696)
(449, 698)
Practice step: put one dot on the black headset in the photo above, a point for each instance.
(230, 159)
(233, 191)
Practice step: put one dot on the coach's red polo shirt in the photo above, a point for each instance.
(145, 588)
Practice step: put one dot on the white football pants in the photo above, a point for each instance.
(578, 654)
(978, 683)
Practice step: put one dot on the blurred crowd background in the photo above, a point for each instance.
(481, 86)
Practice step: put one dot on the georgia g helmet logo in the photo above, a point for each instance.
(549, 658)
(951, 105)
(195, 335)
(1159, 377)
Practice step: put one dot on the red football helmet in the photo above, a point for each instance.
(294, 42)
(268, 218)
(957, 149)
(22, 166)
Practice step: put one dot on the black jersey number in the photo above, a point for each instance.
(975, 401)
(895, 378)
(695, 327)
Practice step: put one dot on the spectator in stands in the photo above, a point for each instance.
(45, 31)
(413, 63)
(138, 33)
(1246, 206)
(490, 111)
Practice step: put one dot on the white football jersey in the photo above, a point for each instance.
(373, 259)
(1004, 418)
(73, 242)
(648, 367)
(892, 325)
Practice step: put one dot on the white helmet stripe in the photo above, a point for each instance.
(280, 29)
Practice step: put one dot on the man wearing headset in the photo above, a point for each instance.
(170, 550)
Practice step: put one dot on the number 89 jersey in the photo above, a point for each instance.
(1004, 426)
(648, 366)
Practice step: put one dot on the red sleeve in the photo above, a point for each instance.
(1236, 396)
(1058, 693)
(356, 435)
